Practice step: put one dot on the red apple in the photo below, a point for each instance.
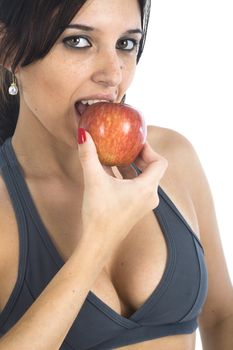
(118, 130)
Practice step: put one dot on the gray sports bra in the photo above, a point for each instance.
(171, 309)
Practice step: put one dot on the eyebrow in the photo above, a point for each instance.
(89, 29)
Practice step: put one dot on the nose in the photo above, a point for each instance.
(108, 69)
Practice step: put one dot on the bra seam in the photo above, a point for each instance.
(29, 289)
(108, 312)
(26, 193)
(41, 236)
(198, 291)
(22, 237)
(171, 268)
(179, 215)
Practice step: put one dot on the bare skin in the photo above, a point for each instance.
(46, 134)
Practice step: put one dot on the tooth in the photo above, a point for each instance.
(91, 102)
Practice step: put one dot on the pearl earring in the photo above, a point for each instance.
(13, 89)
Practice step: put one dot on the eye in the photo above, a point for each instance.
(78, 42)
(127, 44)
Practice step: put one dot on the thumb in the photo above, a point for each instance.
(88, 156)
(152, 164)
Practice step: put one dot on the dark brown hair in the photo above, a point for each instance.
(28, 30)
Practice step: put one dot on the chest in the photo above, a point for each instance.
(135, 267)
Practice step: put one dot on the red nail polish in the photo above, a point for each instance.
(81, 136)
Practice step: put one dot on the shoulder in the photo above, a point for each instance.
(183, 162)
(169, 142)
(184, 167)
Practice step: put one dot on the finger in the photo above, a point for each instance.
(154, 171)
(89, 160)
(127, 172)
(146, 156)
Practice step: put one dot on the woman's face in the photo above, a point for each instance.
(93, 60)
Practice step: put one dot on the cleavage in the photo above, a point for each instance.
(135, 268)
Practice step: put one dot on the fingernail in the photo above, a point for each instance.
(81, 136)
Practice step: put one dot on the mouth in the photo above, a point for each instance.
(82, 105)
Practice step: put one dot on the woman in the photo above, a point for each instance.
(97, 257)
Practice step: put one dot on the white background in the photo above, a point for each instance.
(184, 82)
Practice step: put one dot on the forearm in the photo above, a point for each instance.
(218, 337)
(48, 320)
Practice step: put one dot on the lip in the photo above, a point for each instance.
(106, 97)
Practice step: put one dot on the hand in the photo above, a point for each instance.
(112, 206)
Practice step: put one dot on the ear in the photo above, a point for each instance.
(6, 65)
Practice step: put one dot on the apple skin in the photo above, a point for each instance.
(118, 131)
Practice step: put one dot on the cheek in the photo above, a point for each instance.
(48, 89)
(129, 73)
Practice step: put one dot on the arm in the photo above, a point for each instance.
(219, 336)
(216, 319)
(48, 320)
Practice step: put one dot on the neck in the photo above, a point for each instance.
(43, 155)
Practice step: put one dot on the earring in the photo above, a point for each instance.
(13, 89)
